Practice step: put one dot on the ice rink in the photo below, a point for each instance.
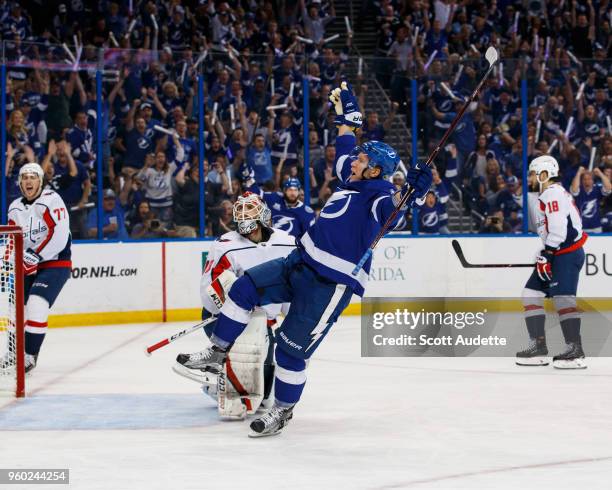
(120, 420)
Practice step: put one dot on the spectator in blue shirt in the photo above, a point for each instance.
(588, 196)
(70, 180)
(259, 158)
(113, 223)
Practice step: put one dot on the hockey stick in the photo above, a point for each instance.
(492, 56)
(152, 348)
(467, 265)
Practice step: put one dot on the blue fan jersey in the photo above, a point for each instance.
(588, 204)
(294, 220)
(350, 220)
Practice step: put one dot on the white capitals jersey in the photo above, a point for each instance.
(46, 227)
(558, 218)
(234, 252)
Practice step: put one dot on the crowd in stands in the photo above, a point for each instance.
(253, 57)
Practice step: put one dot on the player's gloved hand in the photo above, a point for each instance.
(419, 178)
(334, 98)
(247, 174)
(351, 114)
(544, 265)
(30, 262)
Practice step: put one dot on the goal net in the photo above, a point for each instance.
(11, 312)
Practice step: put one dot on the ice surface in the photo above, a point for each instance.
(120, 420)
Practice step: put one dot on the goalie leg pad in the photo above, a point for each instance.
(241, 384)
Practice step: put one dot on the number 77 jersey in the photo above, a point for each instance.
(46, 227)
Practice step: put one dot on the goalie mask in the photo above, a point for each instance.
(249, 210)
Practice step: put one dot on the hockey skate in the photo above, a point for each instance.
(7, 363)
(572, 358)
(534, 355)
(210, 359)
(30, 362)
(271, 423)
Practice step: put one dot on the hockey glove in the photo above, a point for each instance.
(351, 114)
(544, 265)
(334, 98)
(30, 262)
(420, 178)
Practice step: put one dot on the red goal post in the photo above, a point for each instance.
(12, 333)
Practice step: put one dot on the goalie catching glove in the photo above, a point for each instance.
(346, 106)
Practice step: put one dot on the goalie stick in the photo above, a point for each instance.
(152, 348)
(492, 56)
(467, 265)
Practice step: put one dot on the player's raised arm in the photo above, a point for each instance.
(348, 119)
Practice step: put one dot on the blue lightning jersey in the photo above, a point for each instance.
(348, 223)
(294, 220)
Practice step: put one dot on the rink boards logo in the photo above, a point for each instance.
(390, 268)
(103, 271)
(598, 264)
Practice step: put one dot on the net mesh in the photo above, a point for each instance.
(8, 314)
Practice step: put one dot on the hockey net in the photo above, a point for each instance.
(11, 312)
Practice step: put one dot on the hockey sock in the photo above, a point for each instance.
(236, 312)
(569, 317)
(571, 329)
(290, 378)
(37, 313)
(535, 326)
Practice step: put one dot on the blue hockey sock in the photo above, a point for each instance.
(236, 312)
(290, 379)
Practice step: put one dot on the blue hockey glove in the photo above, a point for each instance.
(351, 114)
(420, 178)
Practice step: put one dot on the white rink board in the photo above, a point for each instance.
(413, 267)
(112, 291)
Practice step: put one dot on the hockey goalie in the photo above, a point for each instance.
(244, 382)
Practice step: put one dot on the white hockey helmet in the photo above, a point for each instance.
(250, 209)
(544, 163)
(31, 169)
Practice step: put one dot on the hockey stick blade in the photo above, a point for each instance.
(467, 265)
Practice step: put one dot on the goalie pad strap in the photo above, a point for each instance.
(231, 376)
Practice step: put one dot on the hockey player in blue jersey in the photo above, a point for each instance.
(288, 212)
(316, 278)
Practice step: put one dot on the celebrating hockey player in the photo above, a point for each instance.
(317, 277)
(556, 272)
(289, 213)
(43, 217)
(250, 366)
